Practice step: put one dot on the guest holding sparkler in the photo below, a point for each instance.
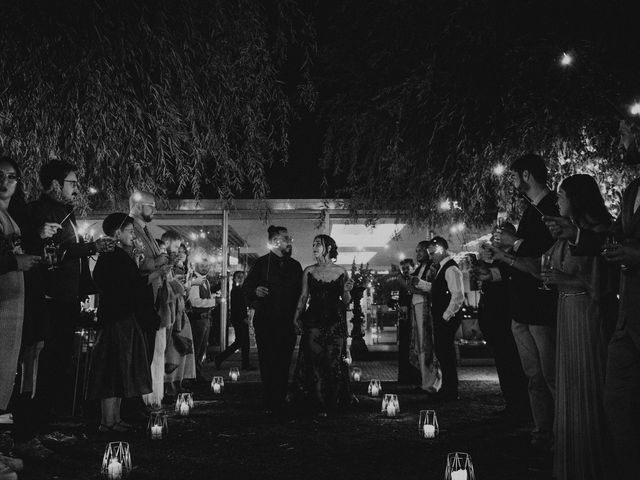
(67, 281)
(494, 316)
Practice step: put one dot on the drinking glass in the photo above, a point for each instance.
(545, 265)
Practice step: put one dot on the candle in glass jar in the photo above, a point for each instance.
(391, 410)
(375, 391)
(184, 409)
(459, 475)
(429, 431)
(114, 471)
(234, 377)
(156, 432)
(216, 388)
(356, 377)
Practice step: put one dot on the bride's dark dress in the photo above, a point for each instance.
(321, 376)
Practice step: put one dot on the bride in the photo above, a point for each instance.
(321, 377)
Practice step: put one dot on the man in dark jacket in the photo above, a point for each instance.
(273, 287)
(65, 283)
(240, 322)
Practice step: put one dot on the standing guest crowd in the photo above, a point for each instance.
(559, 307)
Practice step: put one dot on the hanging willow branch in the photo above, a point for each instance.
(173, 97)
(447, 90)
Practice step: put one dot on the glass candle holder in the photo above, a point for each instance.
(184, 404)
(390, 405)
(356, 374)
(459, 467)
(375, 388)
(428, 424)
(234, 374)
(116, 461)
(158, 427)
(217, 385)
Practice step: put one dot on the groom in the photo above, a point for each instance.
(272, 289)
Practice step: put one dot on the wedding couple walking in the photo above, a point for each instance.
(289, 301)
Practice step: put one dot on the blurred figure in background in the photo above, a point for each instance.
(240, 322)
(202, 302)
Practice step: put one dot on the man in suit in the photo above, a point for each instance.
(622, 382)
(533, 309)
(273, 287)
(65, 284)
(447, 298)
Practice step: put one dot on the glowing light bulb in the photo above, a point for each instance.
(202, 235)
(193, 236)
(566, 60)
(499, 170)
(635, 109)
(445, 205)
(93, 190)
(137, 197)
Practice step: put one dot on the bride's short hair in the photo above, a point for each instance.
(329, 245)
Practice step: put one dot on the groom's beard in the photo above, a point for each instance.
(287, 251)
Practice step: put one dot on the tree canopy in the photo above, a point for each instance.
(178, 98)
(431, 96)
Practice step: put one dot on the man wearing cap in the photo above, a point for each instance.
(447, 297)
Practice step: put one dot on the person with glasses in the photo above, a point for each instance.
(67, 282)
(272, 288)
(21, 312)
(119, 364)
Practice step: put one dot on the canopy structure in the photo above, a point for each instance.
(381, 246)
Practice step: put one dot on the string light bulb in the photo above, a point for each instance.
(499, 170)
(445, 205)
(635, 109)
(566, 60)
(93, 190)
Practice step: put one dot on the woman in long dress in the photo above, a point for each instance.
(321, 376)
(119, 365)
(13, 263)
(581, 438)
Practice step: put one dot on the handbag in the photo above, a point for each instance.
(183, 345)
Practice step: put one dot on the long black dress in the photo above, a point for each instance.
(321, 376)
(119, 363)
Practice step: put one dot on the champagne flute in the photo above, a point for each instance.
(545, 266)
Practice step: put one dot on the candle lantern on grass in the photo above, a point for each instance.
(390, 405)
(116, 462)
(217, 385)
(157, 427)
(375, 388)
(459, 467)
(356, 374)
(184, 404)
(428, 424)
(234, 374)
